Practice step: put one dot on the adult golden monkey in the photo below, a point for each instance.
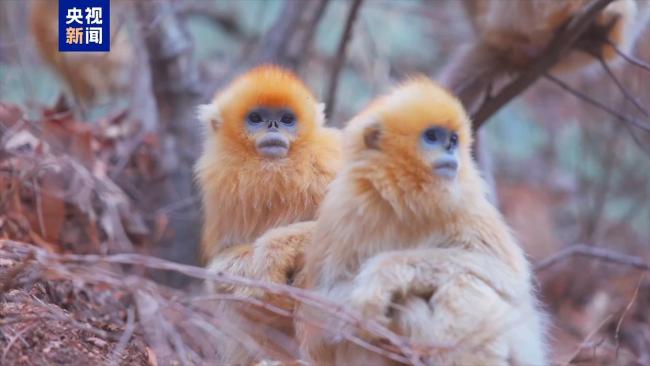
(266, 162)
(407, 222)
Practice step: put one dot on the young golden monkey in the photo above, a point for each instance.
(407, 221)
(266, 163)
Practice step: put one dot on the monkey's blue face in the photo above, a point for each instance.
(440, 147)
(272, 129)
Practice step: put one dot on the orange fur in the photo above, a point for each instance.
(389, 229)
(89, 75)
(244, 194)
(276, 257)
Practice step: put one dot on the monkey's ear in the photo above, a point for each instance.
(209, 114)
(371, 135)
(320, 114)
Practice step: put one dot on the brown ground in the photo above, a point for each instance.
(46, 322)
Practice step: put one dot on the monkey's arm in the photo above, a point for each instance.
(234, 261)
(420, 272)
(275, 257)
(466, 322)
(453, 299)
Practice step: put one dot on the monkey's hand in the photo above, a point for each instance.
(235, 261)
(389, 279)
(383, 281)
(276, 257)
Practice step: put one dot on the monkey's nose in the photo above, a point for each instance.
(446, 167)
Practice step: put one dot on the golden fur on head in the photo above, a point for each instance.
(395, 124)
(245, 194)
(269, 86)
(409, 109)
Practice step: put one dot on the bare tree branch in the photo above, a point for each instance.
(176, 88)
(125, 337)
(586, 341)
(301, 45)
(208, 10)
(596, 103)
(601, 254)
(340, 56)
(274, 45)
(637, 141)
(626, 93)
(634, 61)
(617, 332)
(285, 42)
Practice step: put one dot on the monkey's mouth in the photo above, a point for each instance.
(273, 148)
(446, 167)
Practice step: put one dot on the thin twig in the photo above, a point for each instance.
(340, 56)
(179, 205)
(209, 10)
(16, 337)
(8, 278)
(300, 47)
(124, 338)
(631, 59)
(274, 45)
(308, 36)
(595, 102)
(39, 207)
(585, 342)
(637, 141)
(626, 93)
(601, 254)
(394, 355)
(240, 298)
(125, 158)
(627, 309)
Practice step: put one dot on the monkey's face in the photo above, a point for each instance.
(419, 134)
(266, 114)
(272, 130)
(419, 148)
(439, 147)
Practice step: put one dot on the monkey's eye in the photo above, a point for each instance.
(453, 140)
(433, 135)
(255, 117)
(288, 119)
